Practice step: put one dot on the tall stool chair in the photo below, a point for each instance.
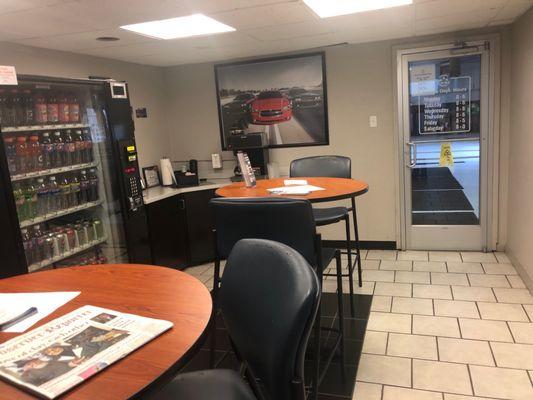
(288, 221)
(334, 167)
(269, 299)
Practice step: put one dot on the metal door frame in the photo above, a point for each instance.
(488, 212)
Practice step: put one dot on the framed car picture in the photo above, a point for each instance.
(284, 97)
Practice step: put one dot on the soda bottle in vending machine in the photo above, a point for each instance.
(84, 187)
(47, 150)
(30, 199)
(20, 201)
(17, 108)
(63, 108)
(28, 107)
(75, 191)
(3, 107)
(40, 114)
(58, 155)
(87, 146)
(79, 147)
(55, 194)
(93, 185)
(11, 154)
(74, 109)
(21, 151)
(52, 108)
(27, 242)
(64, 187)
(35, 156)
(43, 197)
(70, 148)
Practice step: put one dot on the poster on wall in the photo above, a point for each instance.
(284, 97)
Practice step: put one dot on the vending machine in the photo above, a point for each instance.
(70, 190)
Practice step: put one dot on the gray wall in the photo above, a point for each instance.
(360, 84)
(145, 84)
(520, 221)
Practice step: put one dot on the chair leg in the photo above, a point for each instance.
(316, 364)
(340, 304)
(357, 249)
(213, 328)
(350, 266)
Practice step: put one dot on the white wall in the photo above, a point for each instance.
(520, 225)
(360, 84)
(145, 84)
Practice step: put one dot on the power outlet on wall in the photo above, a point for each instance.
(373, 121)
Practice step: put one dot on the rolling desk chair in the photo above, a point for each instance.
(269, 299)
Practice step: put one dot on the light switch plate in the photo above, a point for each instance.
(373, 121)
(216, 161)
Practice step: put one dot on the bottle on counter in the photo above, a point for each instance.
(21, 150)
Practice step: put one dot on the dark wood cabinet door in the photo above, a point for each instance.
(168, 232)
(200, 223)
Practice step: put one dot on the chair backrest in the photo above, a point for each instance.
(325, 166)
(288, 221)
(269, 299)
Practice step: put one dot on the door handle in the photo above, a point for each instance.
(412, 154)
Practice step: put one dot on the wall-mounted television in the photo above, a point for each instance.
(284, 97)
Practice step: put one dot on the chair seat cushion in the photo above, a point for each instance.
(330, 215)
(220, 384)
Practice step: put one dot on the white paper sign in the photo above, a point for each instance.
(423, 80)
(8, 75)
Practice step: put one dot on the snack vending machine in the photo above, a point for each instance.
(69, 176)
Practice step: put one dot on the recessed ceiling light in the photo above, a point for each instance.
(174, 28)
(107, 38)
(332, 8)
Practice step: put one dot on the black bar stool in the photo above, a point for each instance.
(334, 167)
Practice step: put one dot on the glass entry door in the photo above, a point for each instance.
(443, 135)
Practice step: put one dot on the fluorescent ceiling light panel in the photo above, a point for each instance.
(332, 8)
(181, 27)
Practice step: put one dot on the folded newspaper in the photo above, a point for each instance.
(61, 354)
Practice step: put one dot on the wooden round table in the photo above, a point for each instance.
(334, 189)
(145, 290)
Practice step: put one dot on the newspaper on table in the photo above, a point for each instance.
(61, 354)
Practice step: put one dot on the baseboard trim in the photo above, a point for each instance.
(528, 281)
(363, 244)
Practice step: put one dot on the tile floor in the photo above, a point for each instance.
(443, 326)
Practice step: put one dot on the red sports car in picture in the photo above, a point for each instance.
(270, 107)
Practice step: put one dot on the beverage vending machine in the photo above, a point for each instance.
(69, 177)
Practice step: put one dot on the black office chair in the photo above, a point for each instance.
(269, 299)
(333, 167)
(288, 221)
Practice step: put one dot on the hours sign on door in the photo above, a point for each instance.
(447, 109)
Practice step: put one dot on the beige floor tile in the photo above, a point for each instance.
(330, 286)
(476, 256)
(429, 266)
(444, 256)
(367, 391)
(393, 289)
(495, 281)
(439, 278)
(413, 255)
(499, 269)
(516, 282)
(522, 331)
(389, 322)
(407, 305)
(413, 346)
(381, 255)
(381, 303)
(485, 330)
(473, 293)
(375, 342)
(383, 369)
(502, 312)
(465, 351)
(392, 265)
(435, 326)
(464, 267)
(519, 296)
(456, 308)
(378, 276)
(412, 277)
(370, 264)
(398, 393)
(432, 291)
(362, 251)
(448, 396)
(442, 377)
(199, 269)
(529, 310)
(501, 383)
(513, 355)
(502, 257)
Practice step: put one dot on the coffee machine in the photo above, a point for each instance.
(256, 146)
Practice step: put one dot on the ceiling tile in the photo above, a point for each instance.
(286, 31)
(455, 21)
(514, 9)
(8, 6)
(439, 8)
